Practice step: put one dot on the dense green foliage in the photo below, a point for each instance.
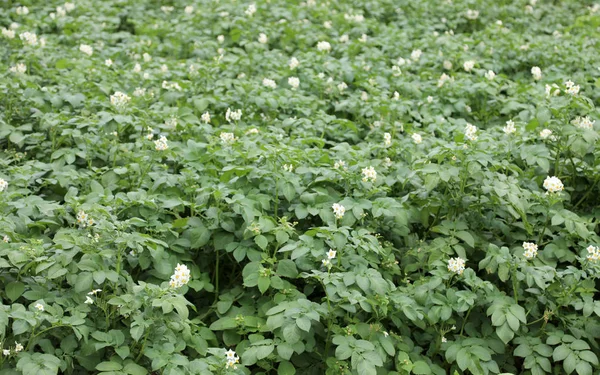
(403, 191)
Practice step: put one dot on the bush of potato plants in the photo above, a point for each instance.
(299, 187)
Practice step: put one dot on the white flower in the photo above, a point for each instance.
(363, 38)
(536, 72)
(456, 265)
(294, 63)
(468, 65)
(545, 133)
(583, 122)
(430, 99)
(83, 219)
(164, 68)
(470, 132)
(443, 79)
(89, 300)
(327, 24)
(119, 99)
(294, 82)
(39, 306)
(472, 14)
(444, 339)
(88, 50)
(573, 90)
(262, 38)
(252, 131)
(369, 174)
(344, 38)
(166, 9)
(340, 164)
(396, 71)
(189, 9)
(342, 86)
(510, 127)
(7, 33)
(18, 347)
(387, 162)
(22, 11)
(147, 57)
(251, 10)
(415, 55)
(139, 91)
(171, 122)
(137, 68)
(232, 359)
(5, 239)
(180, 277)
(396, 95)
(205, 117)
(490, 75)
(417, 138)
(269, 83)
(324, 46)
(108, 62)
(385, 334)
(288, 167)
(447, 65)
(531, 250)
(553, 184)
(339, 211)
(29, 38)
(6, 352)
(331, 254)
(364, 96)
(69, 7)
(227, 137)
(549, 90)
(233, 115)
(161, 144)
(593, 253)
(94, 292)
(19, 68)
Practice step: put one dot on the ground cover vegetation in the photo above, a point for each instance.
(283, 187)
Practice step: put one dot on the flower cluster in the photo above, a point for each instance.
(471, 132)
(572, 88)
(205, 117)
(39, 307)
(490, 75)
(324, 46)
(161, 144)
(233, 115)
(443, 79)
(546, 133)
(553, 185)
(227, 137)
(263, 38)
(549, 90)
(119, 99)
(294, 63)
(251, 10)
(180, 277)
(338, 210)
(288, 167)
(468, 65)
(510, 127)
(531, 250)
(387, 139)
(29, 38)
(536, 72)
(583, 122)
(330, 255)
(83, 219)
(593, 253)
(294, 82)
(88, 50)
(456, 265)
(340, 164)
(416, 137)
(20, 68)
(8, 33)
(269, 83)
(232, 359)
(369, 174)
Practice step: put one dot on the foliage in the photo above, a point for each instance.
(390, 211)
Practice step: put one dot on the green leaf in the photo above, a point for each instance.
(505, 333)
(286, 368)
(285, 350)
(303, 323)
(263, 283)
(421, 368)
(264, 351)
(467, 237)
(561, 352)
(261, 241)
(287, 268)
(109, 366)
(14, 290)
(223, 323)
(134, 369)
